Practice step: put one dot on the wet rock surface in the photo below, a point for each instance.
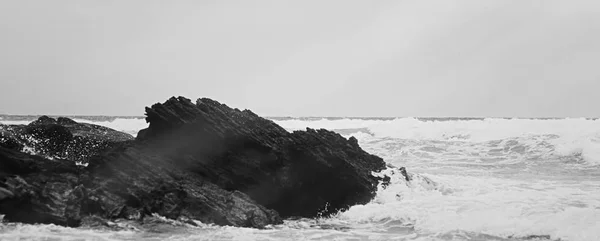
(60, 138)
(39, 187)
(202, 161)
(297, 174)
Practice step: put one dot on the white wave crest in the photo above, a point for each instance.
(128, 125)
(568, 137)
(442, 204)
(468, 130)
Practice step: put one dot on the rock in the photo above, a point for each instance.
(5, 194)
(8, 139)
(62, 138)
(43, 120)
(39, 187)
(38, 190)
(297, 174)
(136, 181)
(196, 161)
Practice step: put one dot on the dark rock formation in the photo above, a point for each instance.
(60, 138)
(140, 179)
(297, 174)
(39, 188)
(202, 161)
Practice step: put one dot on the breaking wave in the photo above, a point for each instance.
(128, 125)
(564, 137)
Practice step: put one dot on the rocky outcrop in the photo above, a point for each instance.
(303, 173)
(202, 161)
(139, 179)
(36, 189)
(60, 138)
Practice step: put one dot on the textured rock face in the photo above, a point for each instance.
(60, 138)
(38, 188)
(297, 174)
(202, 161)
(140, 179)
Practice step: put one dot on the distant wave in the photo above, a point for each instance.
(445, 128)
(570, 136)
(564, 137)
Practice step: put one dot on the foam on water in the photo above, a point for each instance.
(500, 177)
(15, 122)
(16, 232)
(127, 125)
(473, 179)
(443, 129)
(487, 205)
(568, 136)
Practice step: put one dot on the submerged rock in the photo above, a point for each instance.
(202, 161)
(60, 138)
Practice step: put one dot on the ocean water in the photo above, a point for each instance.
(473, 179)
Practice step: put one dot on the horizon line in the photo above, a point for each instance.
(324, 117)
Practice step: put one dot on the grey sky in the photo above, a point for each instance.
(303, 58)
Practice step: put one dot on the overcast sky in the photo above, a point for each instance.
(303, 58)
